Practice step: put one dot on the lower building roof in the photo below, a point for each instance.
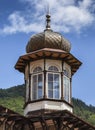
(57, 120)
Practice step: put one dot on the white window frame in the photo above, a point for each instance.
(53, 72)
(32, 88)
(67, 89)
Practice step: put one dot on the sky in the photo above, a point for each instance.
(74, 19)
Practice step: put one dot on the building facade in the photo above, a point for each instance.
(48, 67)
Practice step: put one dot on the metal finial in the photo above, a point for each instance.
(48, 22)
(48, 18)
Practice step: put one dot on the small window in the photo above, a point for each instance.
(66, 88)
(37, 69)
(53, 85)
(66, 72)
(37, 83)
(37, 86)
(53, 68)
(53, 82)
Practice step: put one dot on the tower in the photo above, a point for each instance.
(48, 67)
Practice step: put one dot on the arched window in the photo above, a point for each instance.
(37, 83)
(66, 82)
(53, 68)
(53, 82)
(37, 69)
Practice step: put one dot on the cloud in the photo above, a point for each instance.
(19, 24)
(67, 16)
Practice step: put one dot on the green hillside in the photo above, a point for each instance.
(84, 111)
(15, 104)
(12, 92)
(13, 98)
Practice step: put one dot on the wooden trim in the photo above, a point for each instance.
(62, 98)
(25, 90)
(45, 96)
(29, 98)
(68, 119)
(47, 53)
(71, 90)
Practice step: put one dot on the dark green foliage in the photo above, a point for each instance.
(84, 111)
(92, 119)
(13, 98)
(13, 91)
(15, 104)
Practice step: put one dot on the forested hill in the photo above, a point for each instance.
(15, 91)
(13, 98)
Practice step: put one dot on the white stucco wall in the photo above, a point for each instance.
(51, 105)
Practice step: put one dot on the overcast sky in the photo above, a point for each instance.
(74, 19)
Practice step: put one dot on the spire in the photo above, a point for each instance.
(48, 19)
(48, 22)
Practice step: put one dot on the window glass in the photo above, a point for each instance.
(56, 77)
(66, 88)
(40, 86)
(67, 71)
(50, 77)
(34, 87)
(53, 85)
(37, 83)
(53, 68)
(37, 69)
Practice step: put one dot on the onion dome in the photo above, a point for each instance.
(48, 39)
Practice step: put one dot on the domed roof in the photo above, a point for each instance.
(48, 39)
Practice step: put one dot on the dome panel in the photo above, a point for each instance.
(48, 39)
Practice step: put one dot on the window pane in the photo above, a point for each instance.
(34, 78)
(50, 85)
(34, 90)
(50, 93)
(56, 85)
(66, 88)
(39, 93)
(39, 85)
(56, 94)
(50, 68)
(37, 69)
(53, 68)
(40, 81)
(53, 85)
(39, 77)
(56, 77)
(66, 72)
(50, 77)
